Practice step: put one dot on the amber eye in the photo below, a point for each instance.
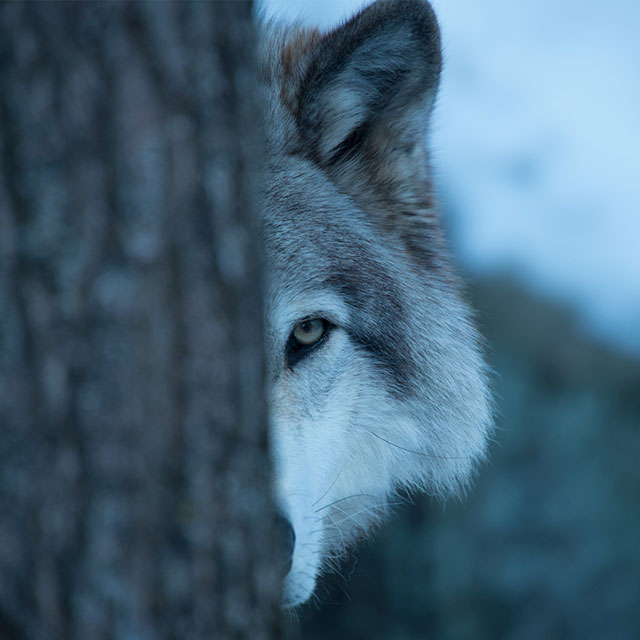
(305, 337)
(310, 331)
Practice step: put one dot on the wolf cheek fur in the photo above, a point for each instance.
(387, 387)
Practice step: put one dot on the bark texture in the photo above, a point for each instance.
(134, 486)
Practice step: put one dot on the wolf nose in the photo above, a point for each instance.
(287, 540)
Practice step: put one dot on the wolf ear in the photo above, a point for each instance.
(364, 104)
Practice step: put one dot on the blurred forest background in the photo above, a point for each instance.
(535, 151)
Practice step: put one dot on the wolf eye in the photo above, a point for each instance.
(309, 331)
(306, 335)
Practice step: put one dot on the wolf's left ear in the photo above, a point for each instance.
(364, 103)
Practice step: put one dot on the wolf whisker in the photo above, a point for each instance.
(344, 466)
(418, 453)
(353, 495)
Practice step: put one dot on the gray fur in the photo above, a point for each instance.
(397, 394)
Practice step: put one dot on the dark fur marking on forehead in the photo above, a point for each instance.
(377, 314)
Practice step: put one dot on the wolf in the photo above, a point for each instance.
(376, 380)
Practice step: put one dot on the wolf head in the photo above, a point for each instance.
(375, 379)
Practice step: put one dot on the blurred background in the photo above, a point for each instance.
(536, 153)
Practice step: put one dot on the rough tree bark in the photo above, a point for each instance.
(134, 488)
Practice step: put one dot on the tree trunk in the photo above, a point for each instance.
(134, 486)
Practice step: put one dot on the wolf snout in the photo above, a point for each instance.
(287, 542)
